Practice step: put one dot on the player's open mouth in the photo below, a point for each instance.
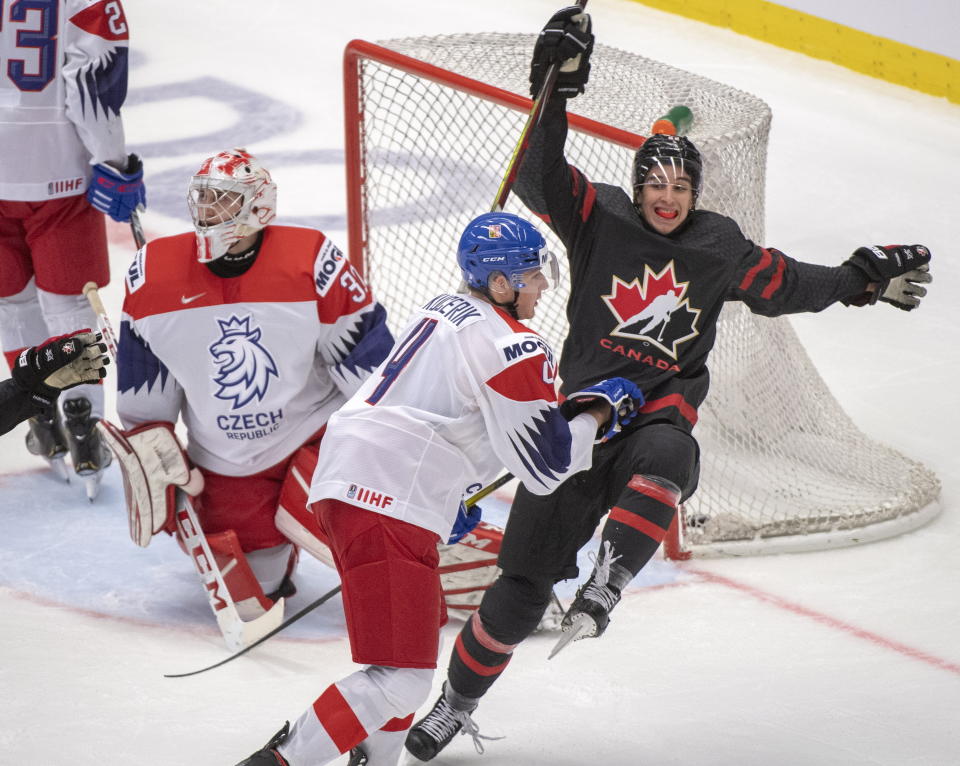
(668, 214)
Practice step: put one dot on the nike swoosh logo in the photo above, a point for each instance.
(184, 299)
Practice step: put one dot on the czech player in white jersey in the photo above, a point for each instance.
(253, 334)
(467, 390)
(63, 79)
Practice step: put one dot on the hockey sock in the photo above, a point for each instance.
(363, 706)
(510, 611)
(639, 521)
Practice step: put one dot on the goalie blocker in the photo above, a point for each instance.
(153, 464)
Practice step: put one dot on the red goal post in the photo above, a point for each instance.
(430, 125)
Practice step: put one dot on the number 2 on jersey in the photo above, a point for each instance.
(402, 356)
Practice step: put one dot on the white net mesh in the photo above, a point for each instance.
(783, 467)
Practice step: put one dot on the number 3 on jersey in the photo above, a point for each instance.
(402, 356)
(42, 37)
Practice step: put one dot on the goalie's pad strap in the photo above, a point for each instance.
(152, 464)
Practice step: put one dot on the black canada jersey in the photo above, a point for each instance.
(643, 305)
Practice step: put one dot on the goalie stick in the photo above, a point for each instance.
(236, 632)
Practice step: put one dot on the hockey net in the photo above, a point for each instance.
(431, 123)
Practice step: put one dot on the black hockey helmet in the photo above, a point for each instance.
(665, 150)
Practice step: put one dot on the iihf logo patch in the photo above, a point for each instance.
(352, 492)
(244, 366)
(493, 231)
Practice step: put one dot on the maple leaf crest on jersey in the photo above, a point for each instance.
(245, 366)
(656, 310)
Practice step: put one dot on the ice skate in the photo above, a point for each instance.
(433, 732)
(89, 454)
(46, 440)
(589, 614)
(268, 755)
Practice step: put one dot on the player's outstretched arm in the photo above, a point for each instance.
(897, 274)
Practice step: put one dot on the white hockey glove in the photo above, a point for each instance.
(153, 464)
(623, 396)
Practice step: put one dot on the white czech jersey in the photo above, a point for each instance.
(63, 79)
(254, 364)
(466, 392)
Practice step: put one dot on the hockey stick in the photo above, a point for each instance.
(302, 613)
(539, 104)
(322, 600)
(236, 632)
(136, 228)
(92, 293)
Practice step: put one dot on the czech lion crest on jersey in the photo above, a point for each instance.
(656, 310)
(244, 366)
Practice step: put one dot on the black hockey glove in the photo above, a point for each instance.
(623, 396)
(898, 271)
(566, 39)
(59, 363)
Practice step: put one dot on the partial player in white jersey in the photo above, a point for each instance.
(253, 334)
(467, 390)
(63, 79)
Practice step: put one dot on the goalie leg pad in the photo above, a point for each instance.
(241, 582)
(294, 518)
(153, 464)
(468, 568)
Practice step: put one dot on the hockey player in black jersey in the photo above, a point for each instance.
(649, 276)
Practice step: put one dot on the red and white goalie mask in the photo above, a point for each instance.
(231, 197)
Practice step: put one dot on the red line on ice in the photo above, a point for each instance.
(825, 619)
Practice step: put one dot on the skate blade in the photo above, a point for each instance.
(582, 626)
(59, 466)
(91, 483)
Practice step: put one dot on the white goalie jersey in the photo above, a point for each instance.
(254, 364)
(465, 393)
(63, 80)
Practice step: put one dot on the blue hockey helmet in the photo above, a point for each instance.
(507, 244)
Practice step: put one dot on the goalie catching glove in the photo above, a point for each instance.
(899, 271)
(623, 396)
(153, 464)
(567, 40)
(60, 363)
